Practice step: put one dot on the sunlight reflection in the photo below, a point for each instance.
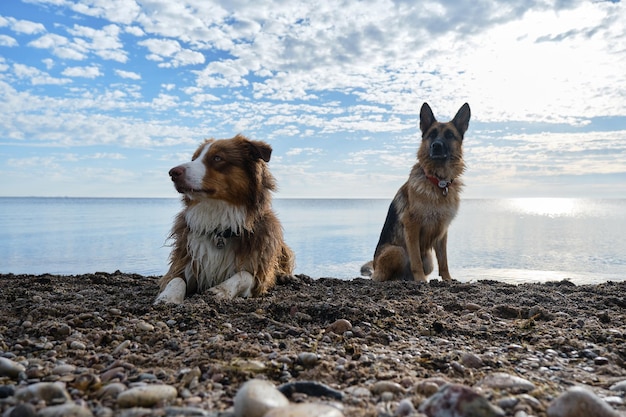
(550, 207)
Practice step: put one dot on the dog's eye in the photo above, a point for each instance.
(448, 135)
(433, 135)
(217, 158)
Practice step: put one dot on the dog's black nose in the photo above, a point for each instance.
(438, 149)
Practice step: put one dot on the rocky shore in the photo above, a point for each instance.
(94, 345)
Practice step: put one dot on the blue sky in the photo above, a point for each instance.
(103, 97)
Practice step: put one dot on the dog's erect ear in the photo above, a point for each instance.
(461, 120)
(427, 118)
(260, 150)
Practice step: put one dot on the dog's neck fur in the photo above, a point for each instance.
(210, 215)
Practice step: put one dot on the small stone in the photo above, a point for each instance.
(600, 360)
(111, 390)
(308, 359)
(456, 400)
(427, 388)
(65, 410)
(63, 369)
(6, 391)
(359, 392)
(144, 327)
(472, 307)
(146, 396)
(10, 369)
(504, 381)
(619, 386)
(339, 326)
(580, 402)
(75, 344)
(386, 386)
(471, 360)
(405, 408)
(48, 392)
(304, 410)
(121, 346)
(256, 397)
(249, 365)
(23, 410)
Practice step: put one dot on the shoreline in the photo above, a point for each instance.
(404, 341)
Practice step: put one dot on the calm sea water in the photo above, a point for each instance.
(516, 240)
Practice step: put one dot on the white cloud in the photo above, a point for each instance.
(103, 42)
(6, 40)
(134, 30)
(305, 151)
(118, 11)
(36, 76)
(166, 48)
(85, 72)
(60, 46)
(128, 74)
(22, 26)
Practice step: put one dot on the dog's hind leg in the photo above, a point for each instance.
(427, 262)
(390, 264)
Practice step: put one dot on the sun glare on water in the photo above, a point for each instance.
(549, 207)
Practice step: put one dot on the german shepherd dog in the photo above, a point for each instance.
(422, 209)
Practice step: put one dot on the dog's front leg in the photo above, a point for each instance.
(441, 250)
(240, 284)
(173, 293)
(412, 239)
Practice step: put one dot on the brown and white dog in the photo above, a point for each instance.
(227, 239)
(422, 209)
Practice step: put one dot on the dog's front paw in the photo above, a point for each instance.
(419, 276)
(220, 292)
(174, 292)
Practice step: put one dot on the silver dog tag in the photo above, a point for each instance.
(219, 241)
(442, 184)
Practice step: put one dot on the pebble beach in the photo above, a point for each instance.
(95, 345)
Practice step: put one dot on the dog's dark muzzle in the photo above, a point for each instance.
(438, 150)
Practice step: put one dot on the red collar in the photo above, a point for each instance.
(442, 184)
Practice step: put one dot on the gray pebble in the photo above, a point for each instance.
(405, 408)
(456, 400)
(146, 395)
(65, 410)
(256, 397)
(619, 386)
(76, 345)
(23, 410)
(48, 392)
(304, 410)
(600, 360)
(111, 390)
(63, 369)
(308, 359)
(386, 386)
(504, 381)
(471, 360)
(339, 326)
(10, 369)
(580, 402)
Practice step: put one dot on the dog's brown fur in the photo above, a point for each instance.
(420, 213)
(227, 225)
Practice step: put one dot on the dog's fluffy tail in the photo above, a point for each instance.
(367, 270)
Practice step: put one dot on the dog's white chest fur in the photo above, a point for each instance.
(212, 258)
